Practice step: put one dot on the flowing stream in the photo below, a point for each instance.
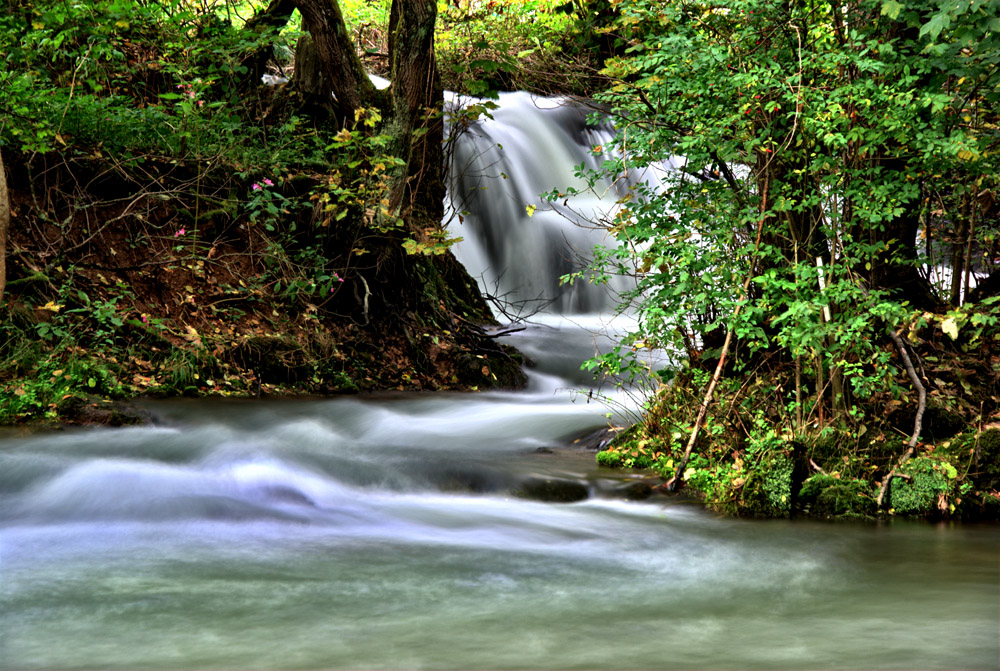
(392, 530)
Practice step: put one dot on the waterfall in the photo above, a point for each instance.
(514, 242)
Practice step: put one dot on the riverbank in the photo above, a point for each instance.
(165, 306)
(749, 460)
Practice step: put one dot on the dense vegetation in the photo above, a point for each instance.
(810, 264)
(179, 228)
(176, 227)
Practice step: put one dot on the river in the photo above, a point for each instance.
(388, 531)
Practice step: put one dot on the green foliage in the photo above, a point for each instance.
(817, 140)
(927, 488)
(768, 488)
(54, 378)
(826, 496)
(729, 89)
(536, 45)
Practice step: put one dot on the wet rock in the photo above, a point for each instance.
(469, 480)
(95, 411)
(553, 490)
(635, 491)
(597, 440)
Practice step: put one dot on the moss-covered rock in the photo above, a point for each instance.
(926, 490)
(609, 459)
(92, 410)
(826, 496)
(767, 491)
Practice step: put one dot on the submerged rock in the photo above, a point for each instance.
(93, 410)
(553, 490)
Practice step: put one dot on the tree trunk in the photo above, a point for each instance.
(414, 101)
(4, 227)
(274, 17)
(896, 270)
(417, 101)
(344, 71)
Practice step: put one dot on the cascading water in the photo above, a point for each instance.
(516, 242)
(388, 531)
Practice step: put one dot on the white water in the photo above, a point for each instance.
(385, 531)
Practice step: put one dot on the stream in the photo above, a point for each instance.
(393, 530)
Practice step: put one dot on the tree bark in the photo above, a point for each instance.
(346, 74)
(4, 226)
(274, 17)
(896, 269)
(417, 100)
(411, 110)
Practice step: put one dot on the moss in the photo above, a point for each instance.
(826, 496)
(768, 490)
(930, 479)
(629, 435)
(987, 459)
(609, 459)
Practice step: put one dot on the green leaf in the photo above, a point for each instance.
(935, 26)
(891, 8)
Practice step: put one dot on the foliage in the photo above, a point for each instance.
(927, 486)
(55, 378)
(827, 496)
(533, 45)
(172, 214)
(830, 154)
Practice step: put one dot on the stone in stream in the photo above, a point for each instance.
(635, 491)
(93, 410)
(552, 490)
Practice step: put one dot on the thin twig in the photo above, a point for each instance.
(671, 484)
(918, 420)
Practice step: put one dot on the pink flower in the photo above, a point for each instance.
(256, 186)
(268, 182)
(179, 233)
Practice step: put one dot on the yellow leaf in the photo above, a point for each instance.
(950, 326)
(192, 335)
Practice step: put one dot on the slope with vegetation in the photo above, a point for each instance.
(811, 264)
(178, 228)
